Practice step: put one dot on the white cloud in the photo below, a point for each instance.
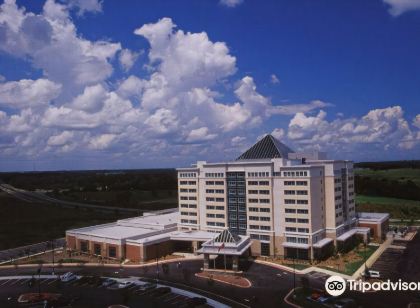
(231, 3)
(2, 78)
(84, 6)
(274, 79)
(200, 134)
(127, 59)
(91, 100)
(60, 139)
(398, 7)
(102, 142)
(27, 92)
(278, 133)
(416, 121)
(382, 128)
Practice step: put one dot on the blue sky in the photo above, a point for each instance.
(137, 84)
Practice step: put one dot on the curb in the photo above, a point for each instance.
(225, 282)
(289, 302)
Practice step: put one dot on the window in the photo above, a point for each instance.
(209, 182)
(184, 221)
(220, 224)
(219, 183)
(303, 220)
(97, 249)
(252, 183)
(84, 246)
(220, 215)
(263, 183)
(183, 182)
(187, 175)
(302, 192)
(192, 190)
(254, 218)
(184, 213)
(255, 227)
(302, 240)
(303, 230)
(253, 192)
(220, 208)
(192, 206)
(290, 210)
(210, 207)
(290, 229)
(265, 210)
(267, 228)
(112, 251)
(264, 192)
(242, 226)
(289, 183)
(184, 205)
(219, 191)
(209, 199)
(253, 200)
(264, 200)
(264, 218)
(302, 183)
(290, 239)
(210, 215)
(302, 201)
(288, 219)
(253, 209)
(290, 201)
(220, 199)
(265, 249)
(289, 192)
(210, 191)
(211, 223)
(192, 182)
(301, 211)
(192, 198)
(183, 198)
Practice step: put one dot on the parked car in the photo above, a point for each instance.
(108, 282)
(371, 274)
(148, 286)
(67, 277)
(124, 284)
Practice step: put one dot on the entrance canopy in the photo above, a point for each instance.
(226, 243)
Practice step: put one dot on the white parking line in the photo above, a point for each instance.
(25, 281)
(4, 283)
(54, 280)
(44, 280)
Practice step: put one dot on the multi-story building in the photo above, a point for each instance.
(269, 201)
(291, 204)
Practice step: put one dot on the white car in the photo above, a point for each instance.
(374, 274)
(67, 277)
(124, 284)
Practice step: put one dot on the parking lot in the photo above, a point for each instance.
(89, 292)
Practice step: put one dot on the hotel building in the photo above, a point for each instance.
(269, 201)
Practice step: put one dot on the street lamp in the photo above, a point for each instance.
(52, 246)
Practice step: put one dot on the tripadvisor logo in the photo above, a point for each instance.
(335, 285)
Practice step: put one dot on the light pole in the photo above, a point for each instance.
(52, 246)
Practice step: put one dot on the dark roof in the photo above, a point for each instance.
(267, 148)
(227, 237)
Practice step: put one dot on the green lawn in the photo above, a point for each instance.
(398, 208)
(351, 267)
(402, 174)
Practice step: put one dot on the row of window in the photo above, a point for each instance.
(187, 182)
(299, 211)
(215, 183)
(186, 221)
(188, 213)
(257, 227)
(293, 183)
(233, 216)
(261, 209)
(234, 225)
(240, 192)
(214, 175)
(293, 201)
(215, 199)
(337, 189)
(296, 192)
(261, 192)
(260, 237)
(190, 190)
(298, 220)
(258, 200)
(188, 175)
(209, 215)
(300, 230)
(188, 198)
(217, 224)
(215, 191)
(259, 218)
(260, 183)
(337, 181)
(190, 206)
(215, 207)
(295, 173)
(258, 174)
(97, 249)
(300, 240)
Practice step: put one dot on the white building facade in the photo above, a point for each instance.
(289, 204)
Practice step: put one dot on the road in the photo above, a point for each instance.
(14, 253)
(33, 197)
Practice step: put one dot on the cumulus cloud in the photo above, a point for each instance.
(398, 7)
(27, 92)
(231, 3)
(274, 79)
(84, 6)
(381, 128)
(127, 58)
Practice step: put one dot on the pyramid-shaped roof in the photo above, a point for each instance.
(267, 148)
(227, 237)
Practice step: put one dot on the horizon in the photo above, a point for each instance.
(152, 85)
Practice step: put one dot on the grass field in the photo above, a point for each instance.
(398, 208)
(401, 175)
(25, 223)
